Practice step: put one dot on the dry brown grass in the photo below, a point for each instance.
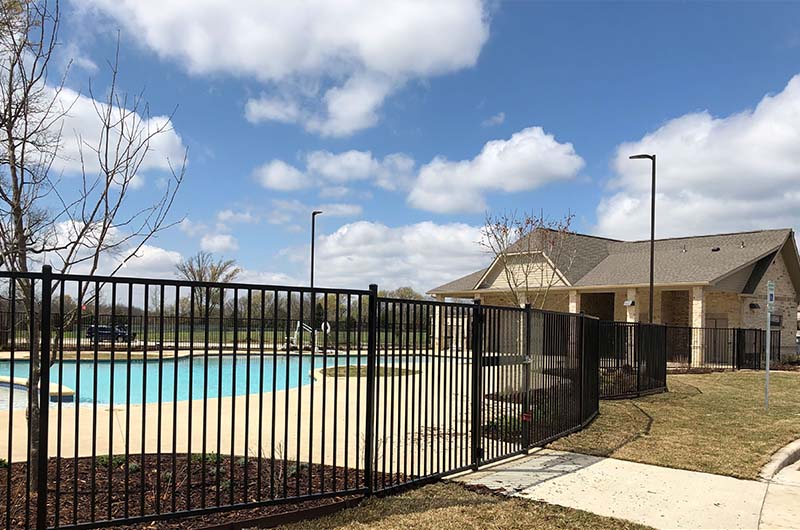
(706, 422)
(448, 506)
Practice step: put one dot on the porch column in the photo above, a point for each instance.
(632, 311)
(574, 302)
(698, 311)
(437, 324)
(523, 299)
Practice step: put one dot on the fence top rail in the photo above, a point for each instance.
(619, 323)
(389, 299)
(536, 310)
(716, 329)
(176, 282)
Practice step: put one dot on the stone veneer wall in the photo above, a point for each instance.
(727, 305)
(620, 295)
(555, 301)
(785, 305)
(600, 305)
(675, 308)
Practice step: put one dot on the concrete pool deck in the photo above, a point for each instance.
(57, 391)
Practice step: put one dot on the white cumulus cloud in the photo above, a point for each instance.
(333, 171)
(422, 255)
(529, 159)
(278, 175)
(288, 211)
(715, 174)
(326, 65)
(231, 216)
(219, 243)
(81, 129)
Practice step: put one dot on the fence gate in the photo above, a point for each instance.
(504, 363)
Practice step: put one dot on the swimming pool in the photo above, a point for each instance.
(212, 376)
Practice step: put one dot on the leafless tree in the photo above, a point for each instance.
(533, 251)
(203, 267)
(67, 223)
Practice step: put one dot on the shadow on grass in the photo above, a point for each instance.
(623, 422)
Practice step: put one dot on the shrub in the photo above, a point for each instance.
(209, 458)
(114, 461)
(507, 428)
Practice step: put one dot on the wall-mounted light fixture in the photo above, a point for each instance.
(629, 303)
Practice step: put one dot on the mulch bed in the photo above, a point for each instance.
(149, 488)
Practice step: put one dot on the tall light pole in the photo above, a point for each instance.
(652, 159)
(314, 215)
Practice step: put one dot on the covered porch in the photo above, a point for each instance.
(700, 320)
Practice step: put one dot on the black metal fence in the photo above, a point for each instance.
(633, 359)
(720, 348)
(375, 394)
(170, 330)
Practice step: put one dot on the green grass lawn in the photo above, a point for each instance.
(447, 506)
(706, 422)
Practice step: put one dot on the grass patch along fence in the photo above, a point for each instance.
(713, 422)
(449, 506)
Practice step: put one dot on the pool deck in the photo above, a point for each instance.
(284, 423)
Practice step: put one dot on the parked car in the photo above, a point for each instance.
(109, 333)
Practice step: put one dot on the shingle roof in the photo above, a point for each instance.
(682, 260)
(585, 251)
(465, 283)
(600, 261)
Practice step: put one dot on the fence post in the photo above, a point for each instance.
(637, 351)
(526, 381)
(666, 355)
(372, 354)
(477, 398)
(44, 398)
(582, 371)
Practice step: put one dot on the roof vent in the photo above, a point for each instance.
(742, 245)
(715, 249)
(684, 248)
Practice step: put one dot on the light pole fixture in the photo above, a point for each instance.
(314, 215)
(652, 159)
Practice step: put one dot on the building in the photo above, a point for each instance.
(714, 281)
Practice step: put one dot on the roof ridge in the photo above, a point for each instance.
(570, 233)
(708, 235)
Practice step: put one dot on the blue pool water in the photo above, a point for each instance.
(144, 377)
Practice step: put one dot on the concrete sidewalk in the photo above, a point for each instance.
(651, 495)
(782, 503)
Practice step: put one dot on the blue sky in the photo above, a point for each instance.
(269, 98)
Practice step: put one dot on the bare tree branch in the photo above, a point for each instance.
(533, 253)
